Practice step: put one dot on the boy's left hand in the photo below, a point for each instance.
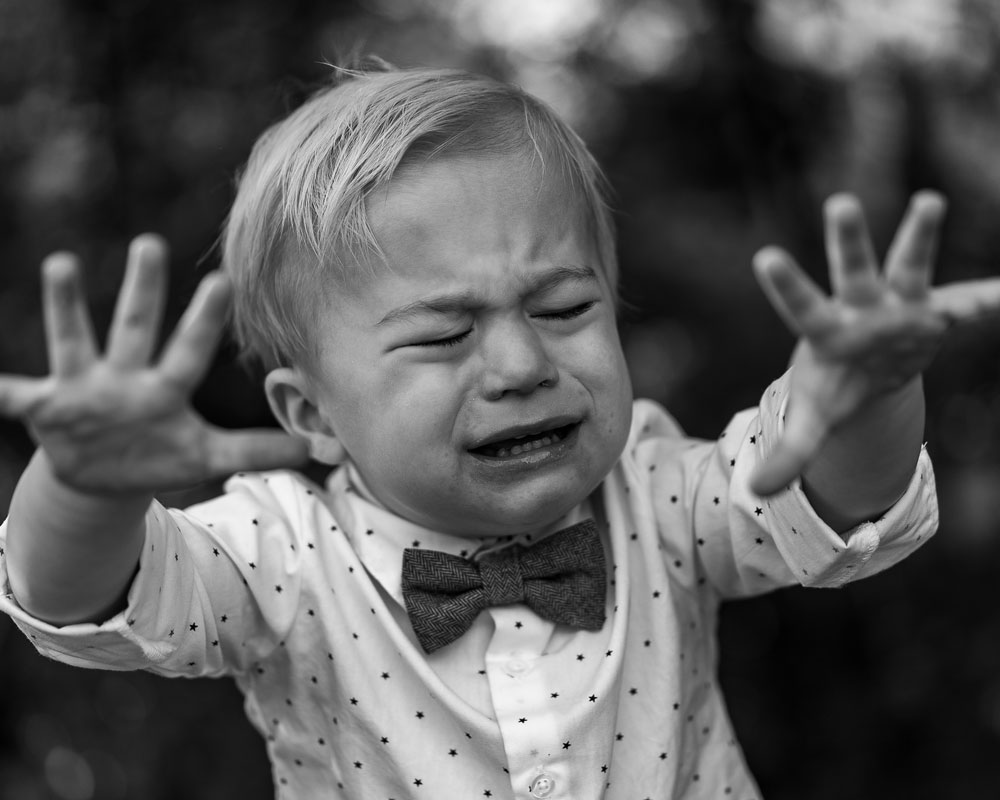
(875, 334)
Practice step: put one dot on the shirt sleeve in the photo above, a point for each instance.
(746, 544)
(214, 593)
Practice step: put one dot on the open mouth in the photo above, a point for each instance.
(526, 443)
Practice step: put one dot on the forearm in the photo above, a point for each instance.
(70, 555)
(867, 462)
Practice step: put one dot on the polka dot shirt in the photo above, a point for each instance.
(293, 590)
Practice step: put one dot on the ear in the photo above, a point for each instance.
(291, 401)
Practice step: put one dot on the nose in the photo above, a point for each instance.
(516, 361)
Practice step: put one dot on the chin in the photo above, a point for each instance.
(538, 511)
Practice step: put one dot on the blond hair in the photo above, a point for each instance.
(299, 218)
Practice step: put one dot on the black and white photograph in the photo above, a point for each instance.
(512, 399)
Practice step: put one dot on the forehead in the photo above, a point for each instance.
(461, 234)
(513, 207)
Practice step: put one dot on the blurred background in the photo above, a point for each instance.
(722, 125)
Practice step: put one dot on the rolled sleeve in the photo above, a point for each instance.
(214, 593)
(824, 558)
(125, 640)
(816, 554)
(747, 544)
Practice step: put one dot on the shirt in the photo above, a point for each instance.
(294, 591)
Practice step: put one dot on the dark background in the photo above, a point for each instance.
(722, 124)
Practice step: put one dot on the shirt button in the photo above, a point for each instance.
(517, 667)
(543, 785)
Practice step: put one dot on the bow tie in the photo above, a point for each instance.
(562, 579)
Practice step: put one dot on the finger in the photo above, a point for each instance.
(188, 354)
(853, 266)
(251, 450)
(18, 395)
(963, 302)
(804, 433)
(68, 332)
(140, 303)
(909, 264)
(802, 305)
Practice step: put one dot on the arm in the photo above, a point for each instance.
(71, 555)
(866, 463)
(112, 430)
(855, 416)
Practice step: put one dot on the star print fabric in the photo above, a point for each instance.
(295, 592)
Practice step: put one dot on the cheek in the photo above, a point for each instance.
(415, 405)
(600, 363)
(604, 374)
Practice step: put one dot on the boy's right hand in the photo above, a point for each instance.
(119, 423)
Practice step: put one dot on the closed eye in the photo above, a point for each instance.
(569, 313)
(562, 315)
(448, 341)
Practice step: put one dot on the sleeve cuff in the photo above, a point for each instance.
(815, 553)
(819, 556)
(116, 643)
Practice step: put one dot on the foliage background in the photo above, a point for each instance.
(722, 124)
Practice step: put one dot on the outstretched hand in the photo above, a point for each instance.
(876, 333)
(118, 422)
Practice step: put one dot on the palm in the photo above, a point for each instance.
(876, 333)
(100, 429)
(862, 353)
(117, 422)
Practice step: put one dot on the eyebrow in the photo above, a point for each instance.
(464, 301)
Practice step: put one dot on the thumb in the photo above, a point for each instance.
(19, 395)
(253, 450)
(805, 430)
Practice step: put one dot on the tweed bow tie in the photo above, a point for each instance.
(562, 579)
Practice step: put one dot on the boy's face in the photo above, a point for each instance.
(476, 379)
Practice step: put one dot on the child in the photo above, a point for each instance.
(423, 262)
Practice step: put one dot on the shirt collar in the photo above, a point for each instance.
(379, 536)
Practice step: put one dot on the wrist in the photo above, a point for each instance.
(71, 554)
(866, 463)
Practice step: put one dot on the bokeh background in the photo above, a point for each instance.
(722, 125)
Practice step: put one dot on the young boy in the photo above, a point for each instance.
(423, 262)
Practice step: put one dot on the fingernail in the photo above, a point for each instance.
(929, 202)
(59, 265)
(146, 242)
(842, 203)
(768, 257)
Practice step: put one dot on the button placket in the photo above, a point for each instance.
(521, 697)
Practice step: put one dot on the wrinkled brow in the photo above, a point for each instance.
(458, 302)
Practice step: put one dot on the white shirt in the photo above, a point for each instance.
(294, 591)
